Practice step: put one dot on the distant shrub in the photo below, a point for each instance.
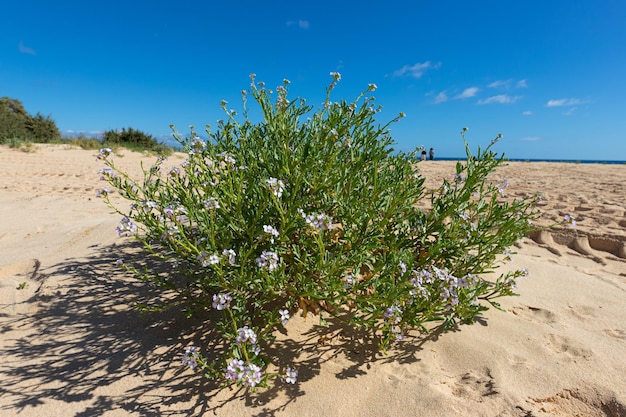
(84, 142)
(17, 124)
(316, 212)
(134, 139)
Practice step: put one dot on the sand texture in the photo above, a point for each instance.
(71, 345)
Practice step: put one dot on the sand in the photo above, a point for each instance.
(71, 345)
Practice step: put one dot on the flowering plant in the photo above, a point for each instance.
(317, 215)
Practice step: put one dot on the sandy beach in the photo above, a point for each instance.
(71, 345)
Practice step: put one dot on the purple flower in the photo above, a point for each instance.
(399, 336)
(570, 221)
(284, 316)
(234, 369)
(126, 227)
(173, 172)
(268, 260)
(251, 375)
(319, 221)
(190, 357)
(231, 255)
(103, 192)
(107, 173)
(270, 230)
(291, 375)
(246, 335)
(393, 314)
(207, 260)
(104, 153)
(221, 301)
(275, 186)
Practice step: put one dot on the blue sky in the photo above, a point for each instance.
(548, 75)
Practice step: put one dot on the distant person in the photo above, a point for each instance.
(431, 154)
(423, 155)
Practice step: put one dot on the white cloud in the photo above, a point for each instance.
(530, 139)
(563, 102)
(25, 49)
(500, 98)
(416, 70)
(441, 97)
(302, 24)
(506, 84)
(570, 111)
(467, 93)
(97, 134)
(500, 84)
(527, 113)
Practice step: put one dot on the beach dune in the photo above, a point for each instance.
(71, 345)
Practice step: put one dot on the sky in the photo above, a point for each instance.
(549, 75)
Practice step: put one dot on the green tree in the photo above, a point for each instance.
(16, 123)
(43, 128)
(13, 118)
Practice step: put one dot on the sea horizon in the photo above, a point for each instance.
(570, 161)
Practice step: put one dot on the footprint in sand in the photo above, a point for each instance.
(616, 333)
(563, 345)
(534, 314)
(473, 385)
(581, 401)
(581, 312)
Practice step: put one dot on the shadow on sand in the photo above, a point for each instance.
(84, 347)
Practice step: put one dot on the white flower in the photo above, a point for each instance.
(291, 375)
(221, 301)
(268, 260)
(231, 255)
(276, 186)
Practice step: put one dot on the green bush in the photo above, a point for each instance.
(315, 212)
(17, 124)
(134, 139)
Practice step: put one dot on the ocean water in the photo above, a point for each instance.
(571, 161)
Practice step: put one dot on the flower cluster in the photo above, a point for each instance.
(271, 231)
(197, 145)
(107, 174)
(207, 260)
(247, 336)
(249, 375)
(318, 221)
(211, 203)
(393, 318)
(570, 221)
(221, 301)
(275, 186)
(268, 260)
(231, 254)
(291, 375)
(190, 357)
(126, 227)
(103, 192)
(104, 153)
